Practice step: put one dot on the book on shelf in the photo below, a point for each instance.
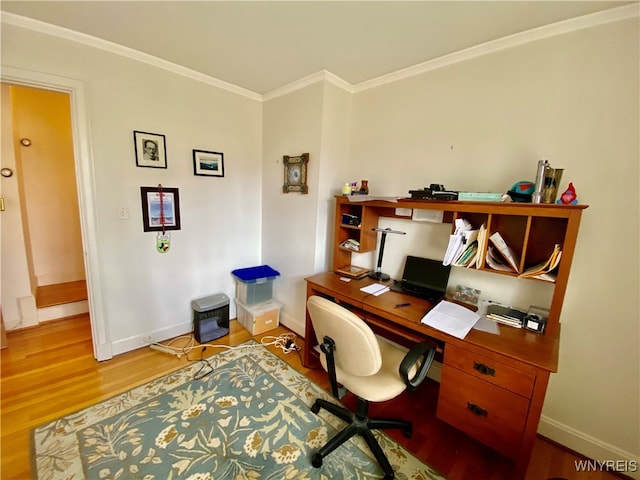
(507, 252)
(468, 256)
(479, 197)
(351, 244)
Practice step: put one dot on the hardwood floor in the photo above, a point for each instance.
(49, 371)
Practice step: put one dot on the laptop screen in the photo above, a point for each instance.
(426, 273)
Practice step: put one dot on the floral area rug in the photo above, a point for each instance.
(249, 419)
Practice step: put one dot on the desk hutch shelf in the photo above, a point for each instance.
(492, 386)
(531, 230)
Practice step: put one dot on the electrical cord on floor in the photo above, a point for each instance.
(205, 368)
(285, 342)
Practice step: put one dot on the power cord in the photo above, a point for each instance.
(285, 342)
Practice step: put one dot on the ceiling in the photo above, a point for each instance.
(262, 46)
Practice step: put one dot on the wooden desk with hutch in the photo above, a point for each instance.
(492, 386)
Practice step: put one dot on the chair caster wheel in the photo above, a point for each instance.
(316, 460)
(315, 408)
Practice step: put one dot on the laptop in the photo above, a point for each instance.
(423, 278)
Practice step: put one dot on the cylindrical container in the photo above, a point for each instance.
(552, 178)
(346, 189)
(537, 194)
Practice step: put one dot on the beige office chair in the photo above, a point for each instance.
(373, 369)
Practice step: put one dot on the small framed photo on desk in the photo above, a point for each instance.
(352, 271)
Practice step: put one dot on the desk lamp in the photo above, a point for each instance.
(377, 273)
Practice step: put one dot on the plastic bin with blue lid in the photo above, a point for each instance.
(255, 284)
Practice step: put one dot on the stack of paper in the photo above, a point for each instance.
(474, 244)
(460, 244)
(544, 270)
(505, 315)
(497, 261)
(507, 253)
(375, 289)
(451, 318)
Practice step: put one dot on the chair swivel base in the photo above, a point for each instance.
(359, 424)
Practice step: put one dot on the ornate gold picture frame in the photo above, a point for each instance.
(295, 173)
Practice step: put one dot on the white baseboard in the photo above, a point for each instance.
(145, 339)
(588, 446)
(292, 323)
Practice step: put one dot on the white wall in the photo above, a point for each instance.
(147, 293)
(336, 130)
(482, 125)
(295, 226)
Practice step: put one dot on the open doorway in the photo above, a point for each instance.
(85, 196)
(46, 204)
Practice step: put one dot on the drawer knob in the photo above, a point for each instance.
(475, 409)
(483, 369)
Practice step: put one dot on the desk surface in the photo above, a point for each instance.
(539, 351)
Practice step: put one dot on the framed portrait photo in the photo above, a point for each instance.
(151, 149)
(208, 164)
(160, 212)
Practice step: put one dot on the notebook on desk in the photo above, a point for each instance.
(423, 278)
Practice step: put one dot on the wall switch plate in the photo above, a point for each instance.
(123, 213)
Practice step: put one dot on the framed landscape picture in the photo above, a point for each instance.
(208, 164)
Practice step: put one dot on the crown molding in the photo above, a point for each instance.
(586, 21)
(559, 28)
(84, 39)
(322, 75)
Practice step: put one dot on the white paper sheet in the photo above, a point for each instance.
(486, 325)
(375, 289)
(451, 318)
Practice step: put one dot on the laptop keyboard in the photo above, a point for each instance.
(424, 293)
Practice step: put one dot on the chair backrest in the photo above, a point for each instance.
(357, 350)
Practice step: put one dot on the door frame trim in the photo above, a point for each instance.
(85, 178)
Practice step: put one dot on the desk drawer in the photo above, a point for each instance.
(488, 413)
(492, 371)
